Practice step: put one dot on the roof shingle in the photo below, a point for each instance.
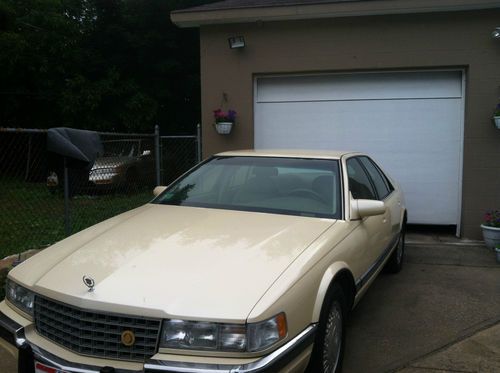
(241, 4)
(245, 11)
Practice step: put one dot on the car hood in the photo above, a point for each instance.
(111, 162)
(173, 261)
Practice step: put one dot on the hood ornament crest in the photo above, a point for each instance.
(128, 338)
(89, 282)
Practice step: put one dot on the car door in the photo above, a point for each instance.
(374, 232)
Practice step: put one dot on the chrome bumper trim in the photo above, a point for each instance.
(273, 362)
(46, 357)
(11, 330)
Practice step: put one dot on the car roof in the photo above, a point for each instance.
(293, 153)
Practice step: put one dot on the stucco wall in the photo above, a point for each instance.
(459, 39)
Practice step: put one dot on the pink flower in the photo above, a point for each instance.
(221, 116)
(492, 218)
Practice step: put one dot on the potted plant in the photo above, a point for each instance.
(224, 121)
(496, 116)
(491, 228)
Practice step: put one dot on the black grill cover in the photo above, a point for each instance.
(79, 147)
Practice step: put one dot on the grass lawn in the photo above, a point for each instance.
(31, 217)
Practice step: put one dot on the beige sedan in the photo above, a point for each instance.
(250, 262)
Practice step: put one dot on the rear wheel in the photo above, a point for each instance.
(328, 351)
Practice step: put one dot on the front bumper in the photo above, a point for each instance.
(29, 352)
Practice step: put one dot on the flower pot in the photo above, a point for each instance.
(491, 236)
(497, 121)
(497, 251)
(224, 128)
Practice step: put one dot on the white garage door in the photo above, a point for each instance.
(411, 122)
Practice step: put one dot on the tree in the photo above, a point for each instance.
(114, 65)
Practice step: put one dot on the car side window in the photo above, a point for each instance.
(359, 183)
(377, 177)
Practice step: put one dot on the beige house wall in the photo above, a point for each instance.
(418, 41)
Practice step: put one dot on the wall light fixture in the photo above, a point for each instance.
(236, 42)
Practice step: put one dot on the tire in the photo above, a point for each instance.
(395, 262)
(328, 350)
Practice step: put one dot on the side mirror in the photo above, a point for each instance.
(158, 190)
(362, 208)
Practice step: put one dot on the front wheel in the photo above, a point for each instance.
(328, 351)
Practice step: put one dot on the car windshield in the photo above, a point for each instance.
(292, 186)
(121, 148)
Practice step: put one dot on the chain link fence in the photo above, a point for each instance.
(177, 155)
(39, 206)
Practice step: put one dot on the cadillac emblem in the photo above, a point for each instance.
(89, 282)
(128, 338)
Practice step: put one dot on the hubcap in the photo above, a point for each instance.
(333, 339)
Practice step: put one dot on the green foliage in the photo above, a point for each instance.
(114, 65)
(3, 278)
(33, 217)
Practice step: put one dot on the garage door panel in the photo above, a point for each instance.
(439, 212)
(418, 141)
(365, 86)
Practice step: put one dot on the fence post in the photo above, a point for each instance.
(157, 154)
(26, 175)
(198, 143)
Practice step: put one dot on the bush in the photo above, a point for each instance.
(3, 278)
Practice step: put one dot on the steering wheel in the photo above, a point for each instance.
(308, 193)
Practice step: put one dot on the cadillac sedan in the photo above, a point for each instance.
(250, 262)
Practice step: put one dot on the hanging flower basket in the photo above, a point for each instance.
(224, 121)
(223, 128)
(496, 120)
(496, 116)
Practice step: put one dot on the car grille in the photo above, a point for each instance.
(95, 334)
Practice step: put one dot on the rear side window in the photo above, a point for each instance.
(359, 183)
(378, 179)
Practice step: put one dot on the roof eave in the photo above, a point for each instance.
(196, 18)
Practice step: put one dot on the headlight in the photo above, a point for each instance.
(197, 335)
(20, 296)
(266, 333)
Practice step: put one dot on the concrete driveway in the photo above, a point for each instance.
(441, 313)
(444, 294)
